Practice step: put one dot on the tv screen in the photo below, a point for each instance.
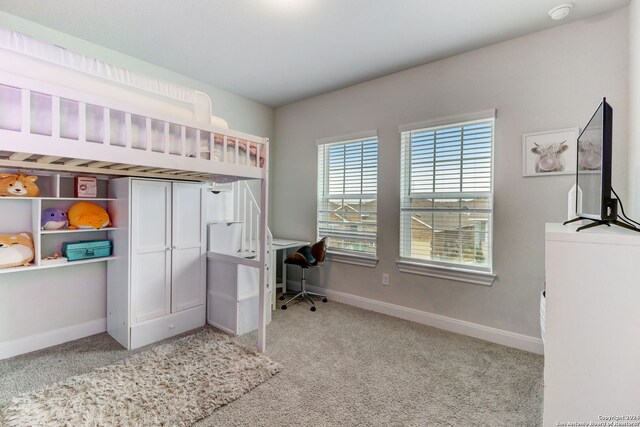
(593, 176)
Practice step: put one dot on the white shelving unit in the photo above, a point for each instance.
(63, 264)
(80, 230)
(22, 214)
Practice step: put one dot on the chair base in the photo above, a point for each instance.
(305, 296)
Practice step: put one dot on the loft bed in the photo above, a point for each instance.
(64, 112)
(60, 111)
(47, 126)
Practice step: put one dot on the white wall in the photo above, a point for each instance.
(549, 80)
(48, 301)
(634, 109)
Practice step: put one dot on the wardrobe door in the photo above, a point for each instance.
(150, 250)
(188, 250)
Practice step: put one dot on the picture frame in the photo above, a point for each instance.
(550, 153)
(85, 187)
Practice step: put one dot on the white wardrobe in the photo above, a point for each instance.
(156, 288)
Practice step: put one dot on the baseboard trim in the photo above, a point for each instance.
(50, 338)
(486, 333)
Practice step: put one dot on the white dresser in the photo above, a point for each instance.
(592, 324)
(157, 286)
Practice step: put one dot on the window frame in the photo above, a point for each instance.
(337, 254)
(437, 268)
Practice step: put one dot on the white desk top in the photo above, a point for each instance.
(286, 244)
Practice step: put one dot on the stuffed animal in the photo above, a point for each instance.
(88, 215)
(18, 185)
(15, 249)
(53, 219)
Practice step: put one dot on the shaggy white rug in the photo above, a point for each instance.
(174, 384)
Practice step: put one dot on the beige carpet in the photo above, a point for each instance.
(344, 366)
(174, 384)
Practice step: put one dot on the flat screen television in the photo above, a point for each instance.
(593, 173)
(593, 177)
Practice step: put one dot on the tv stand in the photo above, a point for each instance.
(591, 347)
(597, 222)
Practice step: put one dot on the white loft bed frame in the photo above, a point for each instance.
(35, 132)
(48, 126)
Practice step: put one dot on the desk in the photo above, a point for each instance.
(283, 246)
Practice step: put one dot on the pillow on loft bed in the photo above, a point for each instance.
(242, 146)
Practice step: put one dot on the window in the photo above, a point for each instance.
(447, 194)
(347, 194)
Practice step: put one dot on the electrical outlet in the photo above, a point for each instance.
(385, 279)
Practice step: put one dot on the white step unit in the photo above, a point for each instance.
(225, 237)
(232, 292)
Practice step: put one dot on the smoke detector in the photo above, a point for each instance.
(560, 12)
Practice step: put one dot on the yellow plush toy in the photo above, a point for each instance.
(88, 215)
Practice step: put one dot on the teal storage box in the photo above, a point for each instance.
(87, 249)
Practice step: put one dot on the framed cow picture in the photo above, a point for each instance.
(550, 153)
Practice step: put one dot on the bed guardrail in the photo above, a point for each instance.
(44, 124)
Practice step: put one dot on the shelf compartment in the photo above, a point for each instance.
(65, 264)
(80, 230)
(46, 183)
(79, 199)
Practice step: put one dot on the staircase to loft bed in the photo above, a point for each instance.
(233, 282)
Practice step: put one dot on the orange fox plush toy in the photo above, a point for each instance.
(18, 185)
(15, 249)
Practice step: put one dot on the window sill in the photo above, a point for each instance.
(457, 274)
(362, 261)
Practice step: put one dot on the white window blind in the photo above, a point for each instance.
(347, 195)
(447, 195)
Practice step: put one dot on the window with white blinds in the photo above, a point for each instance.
(447, 195)
(347, 195)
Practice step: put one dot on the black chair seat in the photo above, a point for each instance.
(307, 257)
(302, 258)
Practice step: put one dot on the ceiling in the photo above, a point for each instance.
(279, 51)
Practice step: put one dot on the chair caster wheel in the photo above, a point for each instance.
(312, 309)
(281, 297)
(324, 300)
(284, 307)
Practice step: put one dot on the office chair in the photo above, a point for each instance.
(307, 257)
